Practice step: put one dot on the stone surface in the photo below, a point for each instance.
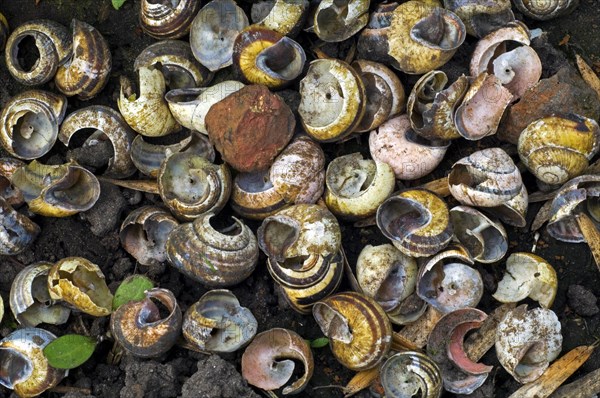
(149, 380)
(582, 301)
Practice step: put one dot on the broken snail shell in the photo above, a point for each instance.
(336, 20)
(144, 234)
(359, 331)
(57, 191)
(514, 211)
(263, 56)
(417, 222)
(211, 255)
(410, 155)
(355, 187)
(253, 196)
(30, 300)
(268, 362)
(190, 185)
(409, 373)
(481, 16)
(543, 10)
(108, 124)
(8, 191)
(167, 19)
(283, 16)
(30, 123)
(17, 231)
(332, 100)
(527, 341)
(53, 42)
(218, 323)
(23, 365)
(80, 283)
(140, 328)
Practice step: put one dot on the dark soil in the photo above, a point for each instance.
(94, 235)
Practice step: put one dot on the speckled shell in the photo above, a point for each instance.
(359, 331)
(481, 16)
(112, 125)
(213, 32)
(409, 155)
(190, 185)
(408, 373)
(144, 234)
(545, 9)
(332, 100)
(29, 123)
(336, 21)
(86, 72)
(149, 113)
(57, 191)
(355, 187)
(30, 300)
(431, 108)
(299, 231)
(447, 284)
(558, 147)
(24, 368)
(527, 341)
(268, 362)
(416, 221)
(486, 178)
(253, 196)
(17, 231)
(138, 327)
(177, 64)
(218, 323)
(167, 20)
(263, 56)
(283, 16)
(214, 257)
(408, 43)
(298, 172)
(53, 42)
(80, 283)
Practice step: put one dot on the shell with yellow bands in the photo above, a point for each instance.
(284, 16)
(411, 42)
(417, 221)
(356, 186)
(359, 331)
(57, 191)
(558, 147)
(253, 196)
(80, 283)
(23, 365)
(263, 56)
(332, 100)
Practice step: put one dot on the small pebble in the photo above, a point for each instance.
(582, 301)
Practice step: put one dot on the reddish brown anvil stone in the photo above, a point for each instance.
(250, 127)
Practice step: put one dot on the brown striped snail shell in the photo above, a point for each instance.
(23, 365)
(417, 222)
(283, 16)
(264, 56)
(557, 148)
(86, 72)
(267, 362)
(359, 331)
(445, 346)
(17, 232)
(3, 31)
(308, 280)
(481, 16)
(486, 178)
(139, 328)
(177, 64)
(213, 32)
(356, 186)
(144, 234)
(53, 42)
(409, 155)
(214, 256)
(514, 211)
(108, 123)
(543, 10)
(30, 123)
(332, 100)
(190, 185)
(57, 191)
(253, 196)
(408, 373)
(336, 21)
(167, 20)
(81, 284)
(218, 323)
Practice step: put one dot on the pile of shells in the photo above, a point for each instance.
(240, 146)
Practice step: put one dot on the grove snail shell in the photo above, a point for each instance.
(167, 20)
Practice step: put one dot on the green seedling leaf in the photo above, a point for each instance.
(69, 351)
(320, 342)
(118, 3)
(131, 289)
